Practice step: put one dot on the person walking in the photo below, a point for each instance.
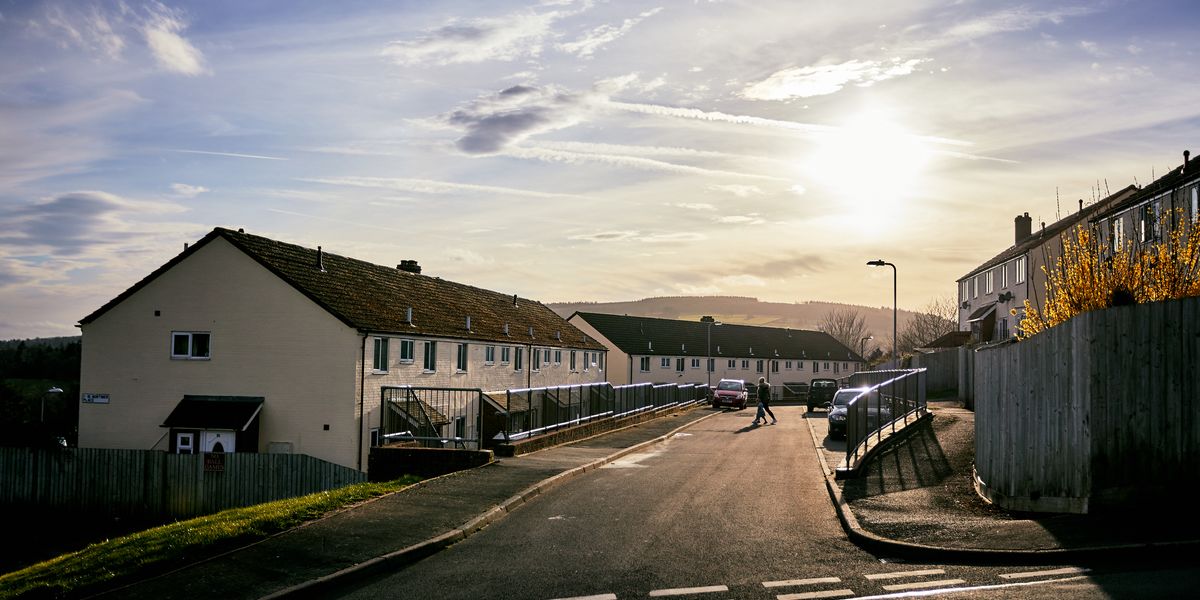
(764, 402)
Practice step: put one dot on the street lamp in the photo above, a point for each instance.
(709, 322)
(862, 346)
(879, 263)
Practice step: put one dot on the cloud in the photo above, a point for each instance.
(188, 191)
(229, 154)
(741, 191)
(495, 122)
(504, 38)
(633, 162)
(66, 225)
(172, 51)
(704, 206)
(637, 236)
(605, 236)
(429, 186)
(750, 219)
(821, 80)
(604, 35)
(104, 34)
(631, 82)
(1092, 48)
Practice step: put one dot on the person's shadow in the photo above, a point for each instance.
(748, 428)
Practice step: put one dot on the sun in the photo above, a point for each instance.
(870, 167)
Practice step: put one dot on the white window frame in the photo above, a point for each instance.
(489, 355)
(407, 351)
(379, 358)
(712, 365)
(1020, 269)
(572, 365)
(535, 363)
(644, 363)
(989, 281)
(679, 364)
(732, 363)
(505, 354)
(1004, 276)
(774, 366)
(695, 363)
(430, 361)
(462, 358)
(191, 442)
(191, 337)
(975, 286)
(517, 357)
(664, 362)
(1195, 203)
(557, 357)
(759, 366)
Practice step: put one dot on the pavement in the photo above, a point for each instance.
(915, 502)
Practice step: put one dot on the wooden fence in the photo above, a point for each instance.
(154, 484)
(1099, 412)
(941, 369)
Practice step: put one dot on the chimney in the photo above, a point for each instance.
(514, 299)
(409, 266)
(408, 315)
(320, 260)
(506, 329)
(1081, 205)
(468, 322)
(1024, 227)
(1186, 155)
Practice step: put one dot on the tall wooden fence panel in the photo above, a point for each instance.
(941, 369)
(149, 483)
(1096, 413)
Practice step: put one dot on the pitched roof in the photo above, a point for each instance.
(1178, 176)
(952, 339)
(1040, 236)
(374, 298)
(670, 337)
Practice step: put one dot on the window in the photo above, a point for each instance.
(461, 364)
(774, 366)
(535, 357)
(645, 363)
(695, 363)
(989, 280)
(679, 365)
(826, 365)
(600, 364)
(546, 356)
(489, 355)
(816, 367)
(1117, 233)
(665, 363)
(975, 286)
(759, 366)
(1003, 328)
(406, 351)
(800, 365)
(587, 360)
(505, 355)
(1196, 203)
(381, 360)
(836, 368)
(430, 357)
(190, 345)
(1004, 276)
(745, 365)
(374, 437)
(788, 365)
(712, 365)
(732, 363)
(460, 427)
(517, 360)
(185, 443)
(1021, 269)
(558, 357)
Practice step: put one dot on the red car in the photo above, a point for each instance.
(730, 392)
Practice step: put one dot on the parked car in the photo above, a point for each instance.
(820, 392)
(730, 392)
(839, 408)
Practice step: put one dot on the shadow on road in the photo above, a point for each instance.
(915, 462)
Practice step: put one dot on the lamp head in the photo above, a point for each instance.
(876, 263)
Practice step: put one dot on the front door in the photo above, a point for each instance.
(217, 440)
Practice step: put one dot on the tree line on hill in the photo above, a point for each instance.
(39, 391)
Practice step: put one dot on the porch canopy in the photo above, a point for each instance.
(235, 413)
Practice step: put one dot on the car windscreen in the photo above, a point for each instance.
(824, 384)
(844, 397)
(730, 385)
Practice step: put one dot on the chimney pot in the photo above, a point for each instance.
(1081, 205)
(320, 259)
(409, 266)
(1023, 228)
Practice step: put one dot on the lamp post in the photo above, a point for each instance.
(708, 366)
(880, 263)
(862, 347)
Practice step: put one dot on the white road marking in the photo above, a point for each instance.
(811, 595)
(922, 584)
(630, 461)
(898, 574)
(679, 435)
(1000, 586)
(692, 590)
(596, 597)
(790, 582)
(1063, 571)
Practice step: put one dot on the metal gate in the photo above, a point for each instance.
(431, 417)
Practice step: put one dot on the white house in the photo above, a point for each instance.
(645, 349)
(243, 343)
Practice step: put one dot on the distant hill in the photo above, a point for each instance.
(744, 311)
(51, 342)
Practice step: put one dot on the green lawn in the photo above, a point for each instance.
(157, 550)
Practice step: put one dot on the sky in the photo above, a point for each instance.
(574, 150)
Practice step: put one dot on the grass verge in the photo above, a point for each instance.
(153, 551)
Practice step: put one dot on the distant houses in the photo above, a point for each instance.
(644, 349)
(251, 344)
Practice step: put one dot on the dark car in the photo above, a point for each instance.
(820, 392)
(730, 392)
(875, 413)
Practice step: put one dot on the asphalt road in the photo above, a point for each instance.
(720, 510)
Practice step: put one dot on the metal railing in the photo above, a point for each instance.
(533, 411)
(892, 399)
(431, 417)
